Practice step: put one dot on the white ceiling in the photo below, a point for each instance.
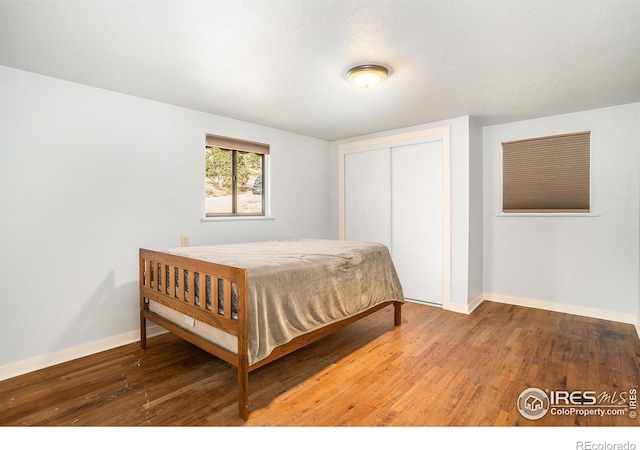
(282, 63)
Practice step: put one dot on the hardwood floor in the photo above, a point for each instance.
(438, 369)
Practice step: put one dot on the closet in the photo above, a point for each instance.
(395, 191)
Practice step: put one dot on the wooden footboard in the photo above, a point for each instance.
(205, 291)
(216, 295)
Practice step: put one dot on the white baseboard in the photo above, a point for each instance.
(40, 362)
(466, 309)
(564, 308)
(548, 306)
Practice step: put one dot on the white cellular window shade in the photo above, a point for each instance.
(548, 174)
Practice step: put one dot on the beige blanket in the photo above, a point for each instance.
(296, 286)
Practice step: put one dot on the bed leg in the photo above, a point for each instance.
(397, 316)
(143, 333)
(243, 391)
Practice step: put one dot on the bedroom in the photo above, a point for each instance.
(89, 174)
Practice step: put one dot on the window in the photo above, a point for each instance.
(547, 174)
(234, 177)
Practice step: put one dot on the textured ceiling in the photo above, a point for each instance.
(282, 63)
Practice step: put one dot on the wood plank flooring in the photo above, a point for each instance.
(438, 369)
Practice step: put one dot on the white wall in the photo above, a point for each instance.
(586, 265)
(476, 238)
(88, 176)
(462, 288)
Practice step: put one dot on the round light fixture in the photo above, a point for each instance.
(367, 75)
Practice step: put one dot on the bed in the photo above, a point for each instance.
(252, 303)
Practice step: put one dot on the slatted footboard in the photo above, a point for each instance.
(214, 294)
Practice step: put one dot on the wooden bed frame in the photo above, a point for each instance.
(165, 278)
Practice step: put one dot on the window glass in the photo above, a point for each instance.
(234, 182)
(249, 181)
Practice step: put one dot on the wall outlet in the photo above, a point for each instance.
(184, 240)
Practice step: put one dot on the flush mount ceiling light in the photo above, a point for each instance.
(367, 75)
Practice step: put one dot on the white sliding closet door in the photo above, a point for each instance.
(416, 219)
(367, 185)
(395, 190)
